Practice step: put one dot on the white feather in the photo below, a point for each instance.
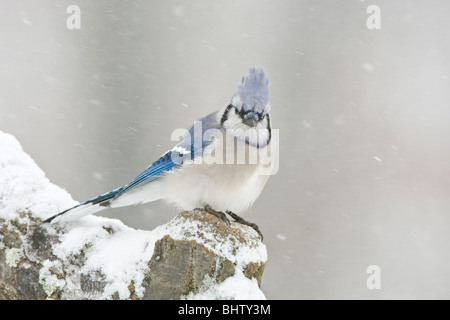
(223, 186)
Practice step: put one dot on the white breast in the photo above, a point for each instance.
(233, 186)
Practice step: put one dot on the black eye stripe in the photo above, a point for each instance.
(241, 113)
(225, 114)
(269, 127)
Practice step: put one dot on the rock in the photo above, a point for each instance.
(193, 256)
(195, 246)
(179, 267)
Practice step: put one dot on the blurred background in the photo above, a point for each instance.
(363, 117)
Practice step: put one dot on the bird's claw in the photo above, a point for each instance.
(219, 214)
(245, 222)
(223, 217)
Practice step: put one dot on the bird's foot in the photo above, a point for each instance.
(245, 222)
(219, 214)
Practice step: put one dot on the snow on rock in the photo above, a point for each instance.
(23, 185)
(238, 287)
(193, 256)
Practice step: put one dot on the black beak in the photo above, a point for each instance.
(250, 118)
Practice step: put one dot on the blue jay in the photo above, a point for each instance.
(206, 173)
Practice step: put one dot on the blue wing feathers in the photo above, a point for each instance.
(169, 161)
(173, 159)
(154, 172)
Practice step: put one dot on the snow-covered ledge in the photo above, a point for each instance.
(193, 256)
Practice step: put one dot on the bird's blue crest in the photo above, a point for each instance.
(253, 92)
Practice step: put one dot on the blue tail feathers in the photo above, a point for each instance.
(102, 200)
